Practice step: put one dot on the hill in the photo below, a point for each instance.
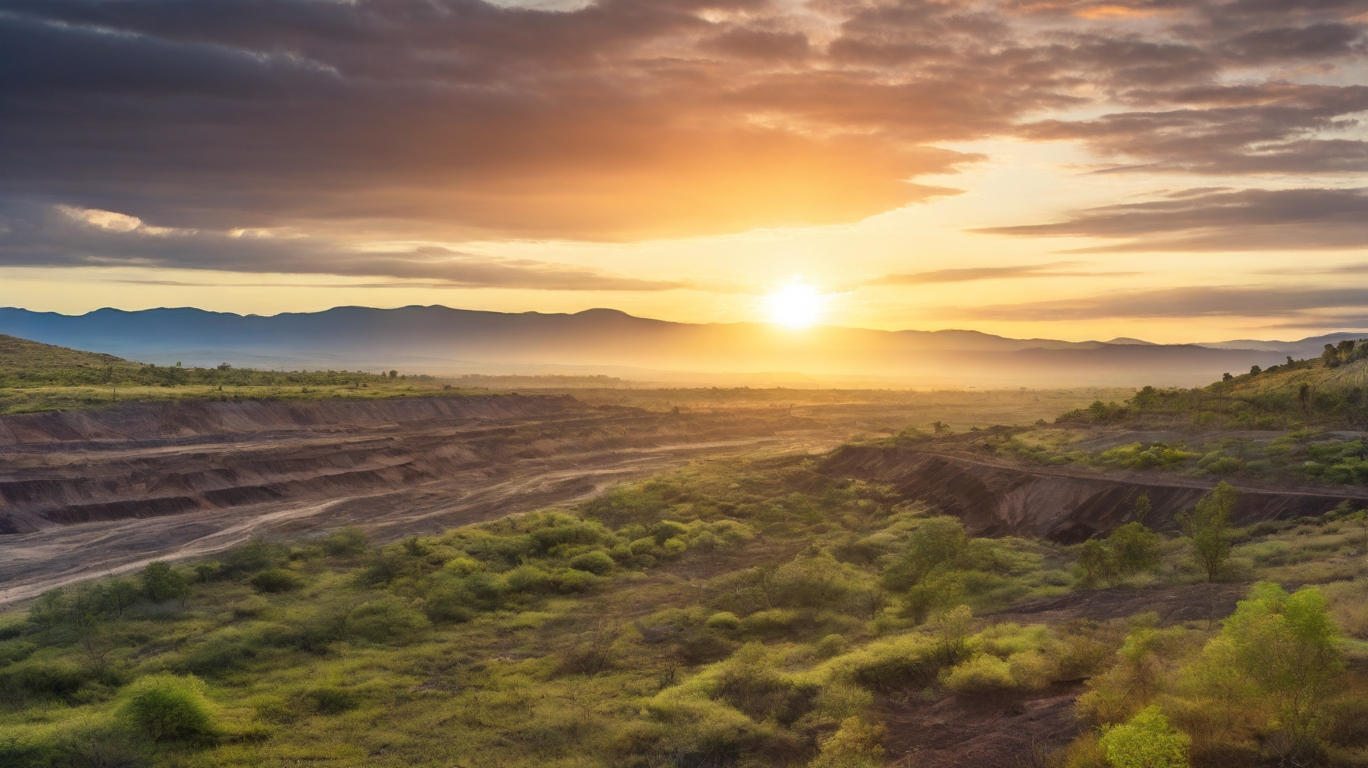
(21, 355)
(440, 340)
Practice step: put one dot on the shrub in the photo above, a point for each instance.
(856, 744)
(596, 562)
(161, 582)
(386, 620)
(725, 621)
(275, 580)
(166, 708)
(1147, 741)
(980, 674)
(449, 600)
(832, 645)
(345, 542)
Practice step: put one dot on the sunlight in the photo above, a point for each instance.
(796, 305)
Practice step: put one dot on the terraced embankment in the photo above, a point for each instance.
(998, 498)
(88, 493)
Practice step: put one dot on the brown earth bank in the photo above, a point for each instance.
(1064, 505)
(86, 494)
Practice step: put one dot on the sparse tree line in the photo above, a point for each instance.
(224, 375)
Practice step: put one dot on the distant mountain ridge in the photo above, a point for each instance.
(442, 340)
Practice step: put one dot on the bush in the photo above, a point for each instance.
(387, 620)
(856, 744)
(161, 582)
(596, 562)
(275, 580)
(978, 675)
(167, 708)
(724, 621)
(832, 645)
(1147, 741)
(345, 542)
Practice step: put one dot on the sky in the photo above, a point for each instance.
(1156, 169)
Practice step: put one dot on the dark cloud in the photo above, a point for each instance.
(1295, 304)
(630, 119)
(1243, 220)
(973, 274)
(33, 235)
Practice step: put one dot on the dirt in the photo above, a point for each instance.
(96, 493)
(996, 497)
(990, 731)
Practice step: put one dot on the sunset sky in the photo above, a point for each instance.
(1174, 171)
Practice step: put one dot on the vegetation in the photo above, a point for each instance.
(739, 612)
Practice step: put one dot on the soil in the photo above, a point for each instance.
(94, 493)
(999, 497)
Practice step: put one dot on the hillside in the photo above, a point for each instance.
(740, 613)
(21, 355)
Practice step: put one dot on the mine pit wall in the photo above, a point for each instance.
(79, 467)
(180, 419)
(995, 500)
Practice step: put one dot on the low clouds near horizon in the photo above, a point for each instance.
(621, 121)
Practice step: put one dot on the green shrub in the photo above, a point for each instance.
(724, 621)
(449, 600)
(856, 744)
(275, 580)
(980, 674)
(596, 562)
(161, 582)
(58, 679)
(386, 620)
(1146, 741)
(345, 542)
(168, 708)
(832, 645)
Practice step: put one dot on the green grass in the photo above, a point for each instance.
(736, 612)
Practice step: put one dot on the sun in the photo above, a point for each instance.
(796, 305)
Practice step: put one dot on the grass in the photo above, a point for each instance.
(737, 612)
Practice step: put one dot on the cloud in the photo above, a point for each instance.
(633, 119)
(973, 274)
(67, 236)
(1293, 303)
(1220, 220)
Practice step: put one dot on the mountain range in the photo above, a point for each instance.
(440, 340)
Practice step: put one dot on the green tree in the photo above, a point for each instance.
(161, 582)
(1134, 548)
(1095, 560)
(120, 595)
(1147, 741)
(1288, 646)
(1142, 509)
(49, 609)
(1208, 525)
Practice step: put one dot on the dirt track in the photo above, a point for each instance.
(83, 498)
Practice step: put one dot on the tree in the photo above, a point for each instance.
(1330, 357)
(1134, 549)
(1208, 525)
(1142, 508)
(1147, 741)
(1096, 562)
(161, 582)
(1255, 370)
(1288, 648)
(47, 611)
(121, 594)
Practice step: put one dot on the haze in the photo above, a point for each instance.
(1071, 170)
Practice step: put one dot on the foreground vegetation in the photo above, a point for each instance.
(743, 612)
